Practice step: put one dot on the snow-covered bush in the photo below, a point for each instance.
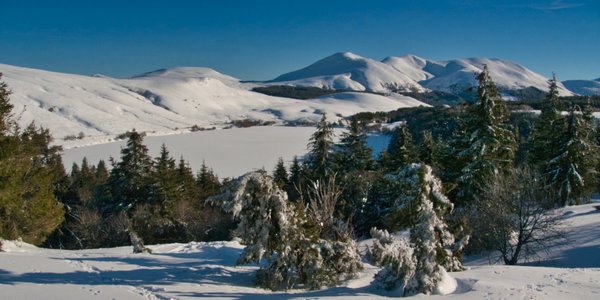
(138, 243)
(283, 239)
(396, 257)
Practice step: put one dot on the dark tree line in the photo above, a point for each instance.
(159, 199)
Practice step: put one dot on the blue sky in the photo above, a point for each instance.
(263, 39)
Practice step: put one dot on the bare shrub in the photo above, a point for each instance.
(514, 217)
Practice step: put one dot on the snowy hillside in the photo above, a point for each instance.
(583, 87)
(163, 101)
(458, 75)
(350, 71)
(207, 270)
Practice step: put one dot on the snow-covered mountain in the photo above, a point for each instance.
(583, 87)
(458, 75)
(350, 71)
(163, 101)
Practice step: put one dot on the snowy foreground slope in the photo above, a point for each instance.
(164, 101)
(207, 270)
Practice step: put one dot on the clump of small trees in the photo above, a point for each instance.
(294, 245)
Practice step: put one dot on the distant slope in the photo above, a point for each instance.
(412, 73)
(583, 87)
(162, 101)
(348, 71)
(448, 76)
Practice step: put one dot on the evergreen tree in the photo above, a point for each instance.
(598, 160)
(129, 179)
(571, 171)
(186, 178)
(428, 149)
(5, 109)
(280, 174)
(81, 226)
(355, 174)
(295, 180)
(400, 151)
(101, 171)
(318, 160)
(207, 182)
(418, 270)
(548, 131)
(265, 227)
(167, 186)
(353, 153)
(490, 139)
(28, 174)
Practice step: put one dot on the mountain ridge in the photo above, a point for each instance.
(413, 73)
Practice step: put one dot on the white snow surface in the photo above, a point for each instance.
(207, 270)
(161, 102)
(583, 87)
(229, 152)
(347, 70)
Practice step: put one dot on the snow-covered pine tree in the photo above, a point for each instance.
(490, 139)
(548, 131)
(433, 242)
(571, 171)
(433, 246)
(318, 161)
(266, 225)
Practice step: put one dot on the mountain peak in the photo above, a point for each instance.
(183, 72)
(348, 55)
(349, 71)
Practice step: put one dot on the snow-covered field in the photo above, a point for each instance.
(207, 270)
(230, 152)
